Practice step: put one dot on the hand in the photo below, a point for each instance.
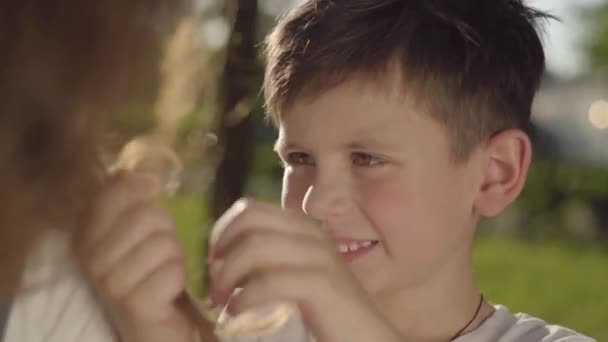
(282, 256)
(132, 257)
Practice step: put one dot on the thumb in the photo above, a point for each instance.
(204, 326)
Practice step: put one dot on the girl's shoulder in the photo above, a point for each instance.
(56, 303)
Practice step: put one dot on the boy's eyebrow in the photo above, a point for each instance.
(282, 145)
(363, 144)
(372, 143)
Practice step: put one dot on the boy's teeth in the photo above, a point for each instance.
(366, 244)
(352, 247)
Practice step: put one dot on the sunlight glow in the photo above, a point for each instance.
(598, 114)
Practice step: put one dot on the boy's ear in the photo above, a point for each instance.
(507, 158)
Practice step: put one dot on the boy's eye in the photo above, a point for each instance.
(367, 160)
(298, 158)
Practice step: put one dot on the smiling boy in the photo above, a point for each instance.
(401, 124)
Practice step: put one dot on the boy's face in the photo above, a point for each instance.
(378, 173)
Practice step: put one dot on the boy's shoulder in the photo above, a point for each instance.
(503, 326)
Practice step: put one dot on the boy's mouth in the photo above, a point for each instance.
(354, 249)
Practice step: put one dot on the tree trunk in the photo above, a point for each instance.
(238, 92)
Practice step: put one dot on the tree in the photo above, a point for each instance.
(598, 42)
(238, 93)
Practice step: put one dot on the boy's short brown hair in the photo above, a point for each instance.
(474, 65)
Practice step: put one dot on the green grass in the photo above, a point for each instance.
(560, 283)
(556, 281)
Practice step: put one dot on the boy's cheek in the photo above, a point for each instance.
(400, 213)
(386, 196)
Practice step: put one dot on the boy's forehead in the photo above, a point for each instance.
(355, 101)
(389, 84)
(350, 114)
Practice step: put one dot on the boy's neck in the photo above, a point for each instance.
(441, 306)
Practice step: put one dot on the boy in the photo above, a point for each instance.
(401, 124)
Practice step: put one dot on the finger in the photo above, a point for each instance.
(159, 289)
(121, 192)
(301, 286)
(132, 228)
(319, 301)
(262, 251)
(205, 327)
(248, 214)
(139, 263)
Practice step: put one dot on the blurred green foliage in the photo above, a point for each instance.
(598, 41)
(555, 192)
(192, 220)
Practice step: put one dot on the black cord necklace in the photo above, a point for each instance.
(459, 333)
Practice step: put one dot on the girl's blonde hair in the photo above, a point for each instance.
(64, 67)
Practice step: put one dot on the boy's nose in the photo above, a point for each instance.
(327, 199)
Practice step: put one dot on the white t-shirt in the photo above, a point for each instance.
(66, 311)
